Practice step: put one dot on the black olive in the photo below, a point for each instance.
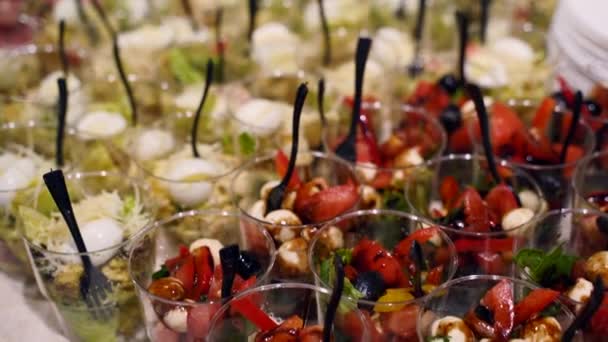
(602, 224)
(484, 314)
(371, 284)
(559, 97)
(247, 265)
(449, 83)
(549, 182)
(450, 118)
(593, 107)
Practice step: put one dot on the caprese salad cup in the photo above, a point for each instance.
(377, 248)
(493, 308)
(179, 282)
(487, 221)
(567, 250)
(321, 189)
(590, 182)
(290, 311)
(530, 136)
(111, 210)
(388, 149)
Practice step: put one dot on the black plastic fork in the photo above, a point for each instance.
(94, 286)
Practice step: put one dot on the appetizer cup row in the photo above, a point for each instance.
(370, 243)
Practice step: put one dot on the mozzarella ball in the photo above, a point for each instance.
(213, 245)
(258, 210)
(15, 173)
(177, 319)
(283, 217)
(543, 329)
(516, 218)
(453, 328)
(185, 190)
(261, 117)
(332, 237)
(409, 157)
(370, 199)
(581, 291)
(146, 37)
(152, 144)
(597, 265)
(529, 200)
(292, 257)
(98, 235)
(101, 124)
(366, 171)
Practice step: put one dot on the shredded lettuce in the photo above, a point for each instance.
(182, 68)
(246, 144)
(328, 275)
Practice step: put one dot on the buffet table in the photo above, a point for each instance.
(25, 316)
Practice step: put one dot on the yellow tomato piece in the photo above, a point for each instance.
(384, 303)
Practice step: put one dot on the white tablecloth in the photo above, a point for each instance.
(24, 315)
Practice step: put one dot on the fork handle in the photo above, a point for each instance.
(55, 182)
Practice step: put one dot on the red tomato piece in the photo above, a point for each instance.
(504, 123)
(281, 163)
(435, 275)
(185, 273)
(350, 272)
(476, 212)
(535, 302)
(402, 250)
(566, 90)
(401, 323)
(351, 324)
(204, 271)
(199, 319)
(538, 147)
(173, 262)
(460, 140)
(254, 314)
(449, 190)
(369, 255)
(382, 180)
(491, 263)
(501, 200)
(544, 113)
(215, 288)
(327, 204)
(499, 300)
(484, 245)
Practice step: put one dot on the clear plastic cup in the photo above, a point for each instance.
(118, 205)
(168, 320)
(579, 234)
(553, 179)
(457, 297)
(407, 138)
(179, 181)
(479, 251)
(391, 317)
(27, 150)
(283, 301)
(590, 182)
(293, 226)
